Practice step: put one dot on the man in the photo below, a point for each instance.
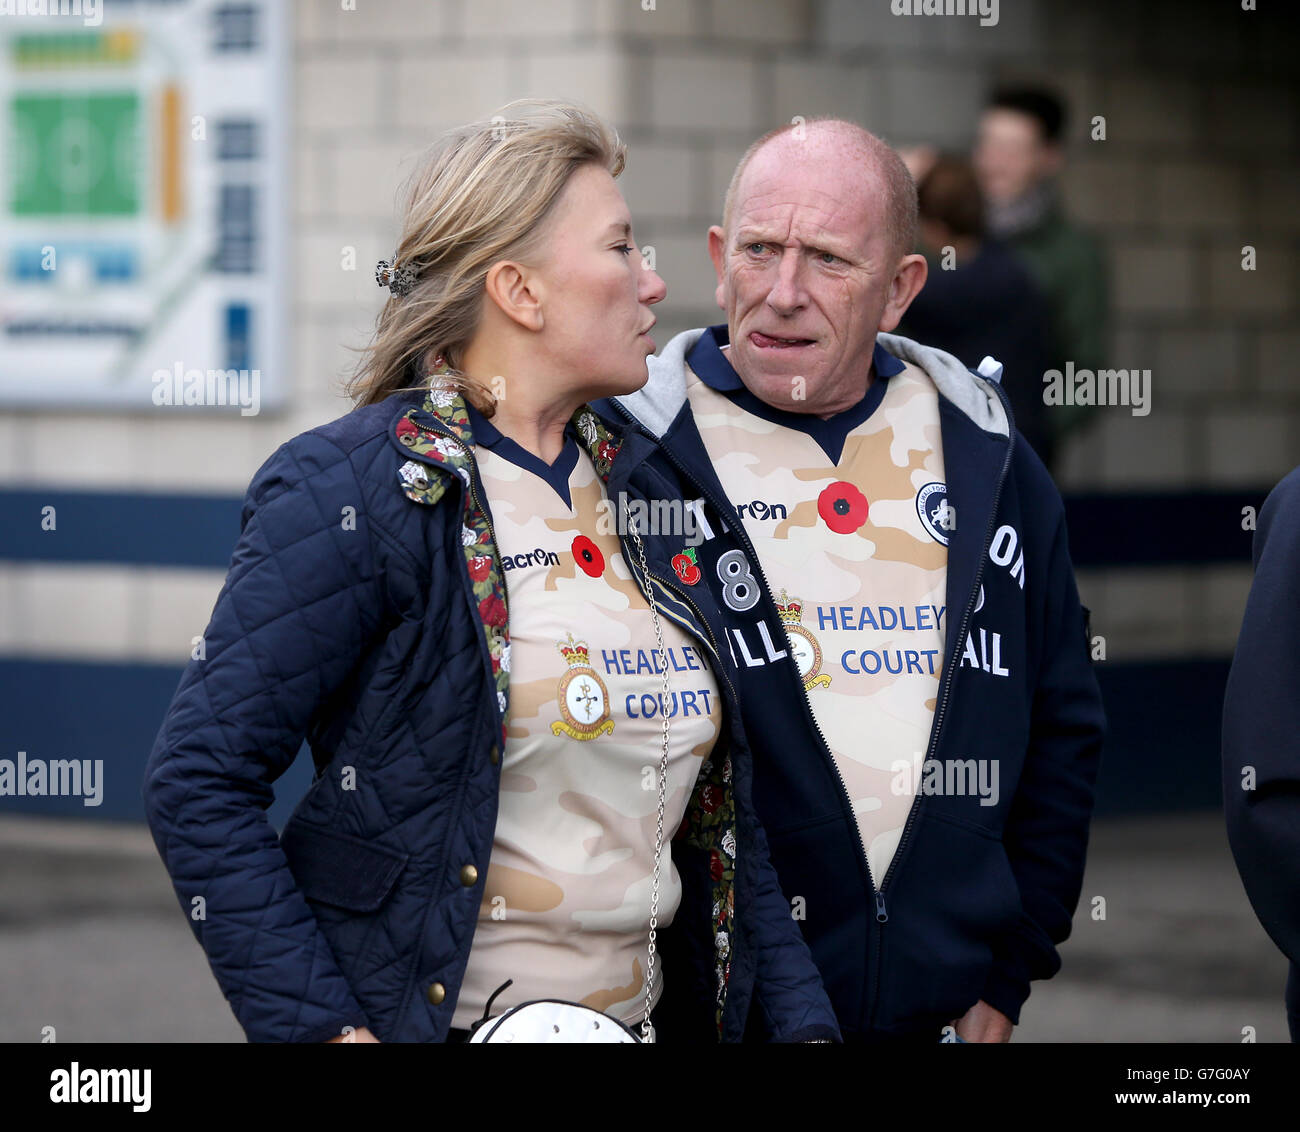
(1261, 740)
(913, 605)
(1019, 156)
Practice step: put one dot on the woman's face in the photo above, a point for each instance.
(595, 290)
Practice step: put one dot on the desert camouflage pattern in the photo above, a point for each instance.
(566, 902)
(870, 600)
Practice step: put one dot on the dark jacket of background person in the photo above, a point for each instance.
(1261, 730)
(992, 306)
(985, 302)
(977, 897)
(370, 641)
(1069, 266)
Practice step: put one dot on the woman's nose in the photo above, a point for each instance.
(653, 288)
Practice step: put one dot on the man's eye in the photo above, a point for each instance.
(828, 257)
(759, 247)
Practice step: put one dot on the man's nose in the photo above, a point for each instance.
(787, 294)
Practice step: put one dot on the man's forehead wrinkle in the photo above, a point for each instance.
(813, 223)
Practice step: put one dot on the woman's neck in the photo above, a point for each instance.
(530, 410)
(537, 428)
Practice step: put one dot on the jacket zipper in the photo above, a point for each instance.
(712, 641)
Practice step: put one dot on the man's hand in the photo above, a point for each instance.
(982, 1023)
(361, 1034)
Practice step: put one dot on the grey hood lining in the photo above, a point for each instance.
(657, 403)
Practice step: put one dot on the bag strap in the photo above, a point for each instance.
(647, 1031)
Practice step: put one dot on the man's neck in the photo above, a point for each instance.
(805, 406)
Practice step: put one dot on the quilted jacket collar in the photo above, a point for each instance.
(437, 432)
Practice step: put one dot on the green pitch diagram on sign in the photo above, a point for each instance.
(77, 154)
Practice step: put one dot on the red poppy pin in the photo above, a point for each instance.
(843, 507)
(587, 555)
(686, 567)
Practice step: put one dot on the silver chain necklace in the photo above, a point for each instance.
(647, 1030)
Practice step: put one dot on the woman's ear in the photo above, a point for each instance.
(512, 288)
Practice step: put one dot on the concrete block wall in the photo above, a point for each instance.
(1200, 159)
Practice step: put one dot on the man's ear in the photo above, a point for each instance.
(909, 278)
(514, 291)
(718, 253)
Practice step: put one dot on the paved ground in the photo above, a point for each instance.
(93, 943)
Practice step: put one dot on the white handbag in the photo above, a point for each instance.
(555, 1020)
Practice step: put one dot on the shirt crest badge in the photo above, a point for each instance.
(582, 696)
(804, 649)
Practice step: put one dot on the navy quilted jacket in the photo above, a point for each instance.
(348, 618)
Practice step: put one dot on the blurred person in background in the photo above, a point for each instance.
(1261, 734)
(979, 299)
(1019, 157)
(479, 829)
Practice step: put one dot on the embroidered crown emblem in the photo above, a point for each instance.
(575, 653)
(790, 608)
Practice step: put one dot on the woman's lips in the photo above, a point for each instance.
(767, 342)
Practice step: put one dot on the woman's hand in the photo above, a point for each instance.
(361, 1034)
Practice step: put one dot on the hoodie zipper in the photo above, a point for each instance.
(942, 708)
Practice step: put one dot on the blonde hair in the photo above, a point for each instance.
(480, 195)
(880, 157)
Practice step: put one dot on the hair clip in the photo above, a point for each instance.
(399, 280)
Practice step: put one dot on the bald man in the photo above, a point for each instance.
(914, 657)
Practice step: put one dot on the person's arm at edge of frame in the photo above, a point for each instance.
(1261, 733)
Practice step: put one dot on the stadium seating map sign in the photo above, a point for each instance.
(143, 239)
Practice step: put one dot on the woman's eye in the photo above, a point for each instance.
(625, 248)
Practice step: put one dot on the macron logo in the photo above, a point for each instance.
(117, 1086)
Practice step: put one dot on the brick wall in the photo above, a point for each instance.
(1200, 159)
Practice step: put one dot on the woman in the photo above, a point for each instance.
(426, 590)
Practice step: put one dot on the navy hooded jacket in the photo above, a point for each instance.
(1261, 734)
(349, 617)
(977, 897)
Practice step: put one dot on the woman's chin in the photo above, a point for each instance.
(626, 382)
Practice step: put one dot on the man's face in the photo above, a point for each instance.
(806, 273)
(1011, 156)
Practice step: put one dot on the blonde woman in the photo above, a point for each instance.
(434, 590)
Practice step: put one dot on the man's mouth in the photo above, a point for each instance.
(769, 342)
